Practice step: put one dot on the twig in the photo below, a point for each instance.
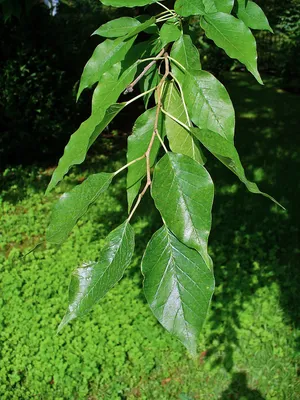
(155, 133)
(129, 164)
(130, 87)
(183, 100)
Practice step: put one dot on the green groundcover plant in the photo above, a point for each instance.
(186, 109)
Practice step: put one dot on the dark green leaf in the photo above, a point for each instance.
(252, 15)
(104, 57)
(233, 36)
(127, 3)
(189, 7)
(180, 140)
(178, 286)
(169, 33)
(138, 143)
(186, 54)
(183, 193)
(209, 104)
(90, 282)
(106, 93)
(73, 205)
(117, 27)
(225, 151)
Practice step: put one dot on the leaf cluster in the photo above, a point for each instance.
(187, 110)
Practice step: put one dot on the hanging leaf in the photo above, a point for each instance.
(183, 193)
(189, 7)
(233, 36)
(209, 103)
(117, 27)
(252, 15)
(180, 140)
(90, 282)
(169, 33)
(178, 286)
(127, 3)
(202, 7)
(73, 205)
(104, 57)
(138, 143)
(212, 6)
(107, 54)
(225, 151)
(106, 93)
(187, 54)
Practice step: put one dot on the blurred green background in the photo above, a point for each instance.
(250, 347)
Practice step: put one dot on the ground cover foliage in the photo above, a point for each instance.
(250, 346)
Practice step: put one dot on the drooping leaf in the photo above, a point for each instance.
(183, 193)
(187, 54)
(252, 15)
(104, 57)
(73, 205)
(106, 94)
(117, 27)
(209, 103)
(233, 36)
(127, 3)
(189, 7)
(212, 6)
(180, 140)
(225, 151)
(169, 33)
(110, 114)
(178, 286)
(90, 282)
(202, 7)
(138, 144)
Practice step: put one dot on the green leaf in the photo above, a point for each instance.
(252, 15)
(104, 57)
(189, 7)
(233, 36)
(127, 3)
(110, 114)
(90, 282)
(73, 205)
(178, 287)
(209, 104)
(117, 27)
(106, 94)
(149, 81)
(180, 140)
(138, 144)
(225, 151)
(169, 33)
(212, 6)
(186, 54)
(183, 193)
(202, 7)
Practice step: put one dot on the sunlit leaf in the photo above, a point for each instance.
(178, 286)
(233, 36)
(91, 281)
(73, 205)
(183, 193)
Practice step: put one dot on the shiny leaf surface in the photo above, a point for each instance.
(117, 27)
(209, 103)
(233, 36)
(90, 282)
(180, 140)
(252, 15)
(178, 286)
(73, 205)
(187, 54)
(183, 193)
(226, 152)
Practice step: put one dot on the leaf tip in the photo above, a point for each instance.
(66, 319)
